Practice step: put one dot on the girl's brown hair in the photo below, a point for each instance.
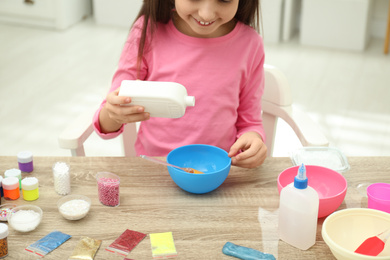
(160, 11)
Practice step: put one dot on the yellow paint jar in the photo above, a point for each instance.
(30, 188)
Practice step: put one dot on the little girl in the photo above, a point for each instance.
(209, 47)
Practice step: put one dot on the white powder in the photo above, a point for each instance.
(25, 220)
(74, 209)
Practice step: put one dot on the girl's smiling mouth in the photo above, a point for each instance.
(204, 23)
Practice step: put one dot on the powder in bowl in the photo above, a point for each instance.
(25, 220)
(74, 207)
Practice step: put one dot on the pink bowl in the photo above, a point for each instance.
(330, 185)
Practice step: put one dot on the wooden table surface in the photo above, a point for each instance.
(243, 210)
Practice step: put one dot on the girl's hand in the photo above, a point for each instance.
(114, 114)
(253, 151)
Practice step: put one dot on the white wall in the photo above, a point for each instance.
(379, 18)
(116, 12)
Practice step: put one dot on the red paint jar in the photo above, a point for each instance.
(11, 188)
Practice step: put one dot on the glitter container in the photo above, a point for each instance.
(3, 240)
(25, 160)
(108, 188)
(61, 178)
(5, 211)
(11, 188)
(14, 173)
(30, 188)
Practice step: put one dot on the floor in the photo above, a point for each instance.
(48, 77)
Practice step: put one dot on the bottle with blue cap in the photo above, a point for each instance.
(298, 212)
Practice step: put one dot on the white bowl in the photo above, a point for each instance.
(345, 230)
(74, 207)
(25, 218)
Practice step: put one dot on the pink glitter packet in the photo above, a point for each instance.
(126, 242)
(108, 188)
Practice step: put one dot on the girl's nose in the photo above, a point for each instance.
(207, 11)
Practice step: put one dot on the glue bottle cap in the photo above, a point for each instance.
(300, 181)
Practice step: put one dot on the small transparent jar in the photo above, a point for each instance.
(11, 188)
(30, 188)
(3, 240)
(108, 188)
(25, 161)
(14, 173)
(1, 186)
(61, 174)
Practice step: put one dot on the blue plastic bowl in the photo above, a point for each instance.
(212, 161)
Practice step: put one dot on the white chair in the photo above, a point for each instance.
(276, 103)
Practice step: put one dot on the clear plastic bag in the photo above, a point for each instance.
(126, 242)
(48, 243)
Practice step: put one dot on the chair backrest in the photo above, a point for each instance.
(276, 98)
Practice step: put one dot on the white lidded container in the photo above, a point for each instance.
(160, 99)
(61, 176)
(298, 212)
(14, 173)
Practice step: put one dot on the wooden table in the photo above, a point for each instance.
(243, 210)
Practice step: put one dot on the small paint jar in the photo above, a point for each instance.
(1, 186)
(30, 188)
(14, 173)
(11, 188)
(25, 160)
(3, 240)
(61, 178)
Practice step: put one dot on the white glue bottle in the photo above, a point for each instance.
(160, 99)
(298, 212)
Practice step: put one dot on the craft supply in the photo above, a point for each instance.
(108, 188)
(48, 243)
(85, 249)
(25, 220)
(162, 245)
(5, 211)
(14, 173)
(74, 209)
(61, 178)
(126, 242)
(189, 170)
(373, 246)
(25, 161)
(11, 188)
(298, 212)
(1, 187)
(3, 240)
(379, 196)
(160, 99)
(245, 253)
(30, 188)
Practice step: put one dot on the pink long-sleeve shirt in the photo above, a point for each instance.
(225, 75)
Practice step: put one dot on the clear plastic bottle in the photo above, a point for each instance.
(160, 99)
(298, 212)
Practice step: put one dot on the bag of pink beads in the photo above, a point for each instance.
(108, 188)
